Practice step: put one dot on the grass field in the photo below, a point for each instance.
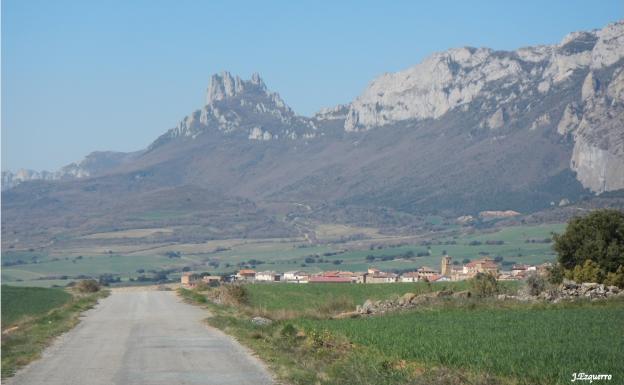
(38, 316)
(309, 296)
(539, 345)
(448, 342)
(21, 302)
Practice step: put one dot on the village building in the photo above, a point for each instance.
(484, 265)
(296, 276)
(381, 277)
(268, 276)
(190, 279)
(427, 273)
(328, 279)
(246, 275)
(411, 276)
(212, 279)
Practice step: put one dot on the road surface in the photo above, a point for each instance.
(144, 337)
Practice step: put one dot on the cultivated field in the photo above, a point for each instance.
(22, 302)
(534, 344)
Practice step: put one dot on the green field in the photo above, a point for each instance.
(535, 344)
(445, 341)
(21, 302)
(300, 297)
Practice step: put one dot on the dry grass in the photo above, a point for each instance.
(133, 233)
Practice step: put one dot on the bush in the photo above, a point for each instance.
(484, 285)
(535, 284)
(88, 286)
(555, 274)
(589, 272)
(616, 279)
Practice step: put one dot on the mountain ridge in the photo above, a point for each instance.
(466, 130)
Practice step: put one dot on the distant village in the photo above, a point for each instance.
(448, 272)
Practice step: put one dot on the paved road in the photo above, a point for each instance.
(144, 337)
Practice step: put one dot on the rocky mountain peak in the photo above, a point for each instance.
(238, 105)
(224, 86)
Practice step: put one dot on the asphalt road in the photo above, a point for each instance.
(144, 337)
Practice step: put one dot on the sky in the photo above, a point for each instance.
(80, 76)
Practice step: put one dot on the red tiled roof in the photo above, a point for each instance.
(249, 272)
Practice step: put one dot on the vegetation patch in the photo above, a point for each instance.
(22, 302)
(28, 337)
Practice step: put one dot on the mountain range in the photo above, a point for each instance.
(466, 130)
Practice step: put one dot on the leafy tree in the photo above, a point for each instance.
(598, 237)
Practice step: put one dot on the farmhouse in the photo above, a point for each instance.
(268, 276)
(296, 276)
(212, 279)
(246, 275)
(190, 279)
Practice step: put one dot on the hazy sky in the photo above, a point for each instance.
(79, 76)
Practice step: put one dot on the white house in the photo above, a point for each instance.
(268, 276)
(296, 276)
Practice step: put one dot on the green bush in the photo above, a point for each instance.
(589, 272)
(484, 285)
(616, 279)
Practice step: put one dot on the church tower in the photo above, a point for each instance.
(445, 266)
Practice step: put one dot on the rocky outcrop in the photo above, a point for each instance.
(246, 106)
(569, 291)
(503, 87)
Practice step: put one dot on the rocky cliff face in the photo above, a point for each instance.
(504, 88)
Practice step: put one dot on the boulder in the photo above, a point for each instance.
(408, 297)
(261, 321)
(462, 294)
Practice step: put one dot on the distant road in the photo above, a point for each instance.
(143, 337)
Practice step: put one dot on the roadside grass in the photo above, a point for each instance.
(25, 341)
(450, 342)
(21, 302)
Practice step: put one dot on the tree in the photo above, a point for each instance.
(598, 237)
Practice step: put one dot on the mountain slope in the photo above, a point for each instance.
(464, 131)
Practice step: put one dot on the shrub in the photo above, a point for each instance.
(589, 272)
(88, 286)
(484, 285)
(555, 274)
(535, 284)
(616, 279)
